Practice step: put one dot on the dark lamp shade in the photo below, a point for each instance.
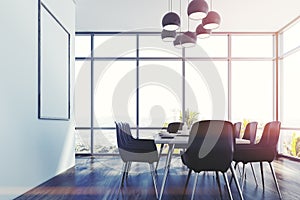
(197, 9)
(171, 21)
(212, 20)
(177, 41)
(202, 32)
(188, 39)
(168, 36)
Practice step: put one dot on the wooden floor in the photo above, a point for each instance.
(99, 178)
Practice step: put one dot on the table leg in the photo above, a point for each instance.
(168, 162)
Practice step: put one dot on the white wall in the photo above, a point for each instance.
(32, 150)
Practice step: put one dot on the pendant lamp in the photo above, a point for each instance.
(177, 41)
(212, 20)
(197, 9)
(201, 32)
(171, 21)
(188, 39)
(168, 36)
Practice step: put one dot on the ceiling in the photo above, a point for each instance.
(256, 15)
(237, 15)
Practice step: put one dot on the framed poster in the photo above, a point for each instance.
(53, 67)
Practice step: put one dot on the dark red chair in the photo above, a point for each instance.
(249, 134)
(264, 151)
(237, 129)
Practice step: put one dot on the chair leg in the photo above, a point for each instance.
(230, 181)
(227, 185)
(239, 169)
(152, 169)
(124, 173)
(122, 178)
(219, 183)
(244, 167)
(262, 175)
(243, 177)
(235, 165)
(253, 173)
(275, 179)
(127, 169)
(187, 182)
(194, 187)
(236, 182)
(159, 155)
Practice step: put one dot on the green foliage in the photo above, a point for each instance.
(295, 146)
(165, 125)
(190, 117)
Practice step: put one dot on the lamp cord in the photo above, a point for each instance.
(180, 14)
(188, 18)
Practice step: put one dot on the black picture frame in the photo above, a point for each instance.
(53, 67)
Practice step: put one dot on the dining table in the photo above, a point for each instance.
(181, 140)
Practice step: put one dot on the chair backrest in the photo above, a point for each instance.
(124, 137)
(270, 134)
(210, 146)
(120, 138)
(237, 129)
(250, 132)
(173, 127)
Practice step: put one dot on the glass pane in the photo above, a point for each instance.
(290, 95)
(291, 38)
(206, 89)
(82, 46)
(115, 46)
(82, 96)
(289, 143)
(252, 46)
(214, 46)
(160, 90)
(252, 91)
(153, 46)
(105, 141)
(82, 141)
(115, 92)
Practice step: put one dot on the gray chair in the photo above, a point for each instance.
(135, 150)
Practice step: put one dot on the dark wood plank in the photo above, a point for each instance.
(99, 178)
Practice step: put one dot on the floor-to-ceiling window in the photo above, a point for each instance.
(206, 75)
(138, 78)
(289, 68)
(252, 75)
